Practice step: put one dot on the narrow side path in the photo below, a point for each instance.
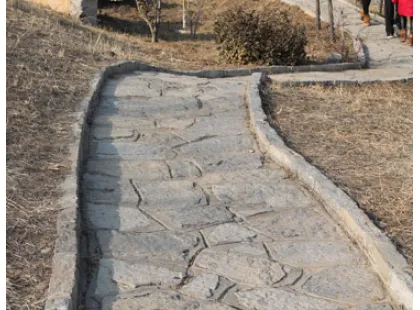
(382, 51)
(181, 211)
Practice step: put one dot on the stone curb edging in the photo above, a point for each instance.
(390, 265)
(63, 291)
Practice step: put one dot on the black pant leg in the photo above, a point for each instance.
(397, 17)
(366, 4)
(404, 22)
(411, 24)
(389, 17)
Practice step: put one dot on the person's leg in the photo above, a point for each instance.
(366, 17)
(403, 35)
(397, 17)
(389, 17)
(366, 4)
(410, 36)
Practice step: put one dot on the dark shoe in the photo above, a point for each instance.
(403, 35)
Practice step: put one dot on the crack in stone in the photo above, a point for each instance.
(267, 251)
(169, 170)
(225, 292)
(137, 191)
(137, 135)
(206, 245)
(206, 194)
(194, 141)
(190, 264)
(199, 102)
(196, 165)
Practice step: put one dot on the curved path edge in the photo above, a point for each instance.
(390, 265)
(63, 291)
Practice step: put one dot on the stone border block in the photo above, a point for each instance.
(390, 265)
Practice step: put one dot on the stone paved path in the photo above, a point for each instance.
(182, 211)
(383, 52)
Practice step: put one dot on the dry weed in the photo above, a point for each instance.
(361, 137)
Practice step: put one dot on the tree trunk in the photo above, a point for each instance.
(184, 18)
(381, 4)
(318, 15)
(331, 18)
(155, 35)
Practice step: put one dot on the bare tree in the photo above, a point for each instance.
(150, 11)
(194, 13)
(331, 19)
(318, 14)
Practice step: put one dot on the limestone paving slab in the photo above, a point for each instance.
(206, 286)
(124, 219)
(296, 253)
(189, 217)
(346, 283)
(117, 276)
(160, 300)
(129, 169)
(182, 211)
(297, 225)
(177, 247)
(260, 271)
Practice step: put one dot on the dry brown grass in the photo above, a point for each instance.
(361, 137)
(50, 63)
(201, 53)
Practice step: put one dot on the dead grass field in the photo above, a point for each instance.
(202, 52)
(50, 63)
(360, 137)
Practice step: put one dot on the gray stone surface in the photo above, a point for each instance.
(190, 217)
(116, 276)
(125, 219)
(206, 286)
(229, 233)
(296, 253)
(182, 210)
(159, 300)
(179, 192)
(129, 169)
(238, 267)
(282, 299)
(173, 246)
(297, 225)
(346, 283)
(382, 306)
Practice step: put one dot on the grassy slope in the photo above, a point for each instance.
(361, 137)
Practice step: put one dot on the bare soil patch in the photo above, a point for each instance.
(361, 138)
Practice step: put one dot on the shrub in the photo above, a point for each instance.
(265, 39)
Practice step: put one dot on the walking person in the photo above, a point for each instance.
(389, 18)
(364, 13)
(405, 10)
